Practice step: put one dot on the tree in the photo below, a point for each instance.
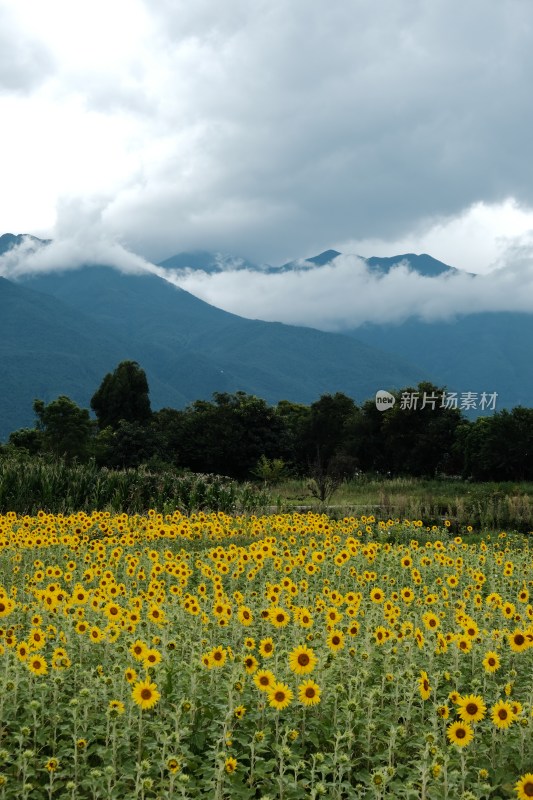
(29, 439)
(325, 435)
(65, 427)
(499, 448)
(123, 395)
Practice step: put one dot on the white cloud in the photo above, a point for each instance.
(478, 240)
(269, 129)
(81, 240)
(346, 293)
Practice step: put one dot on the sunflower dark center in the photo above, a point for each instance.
(472, 709)
(528, 789)
(519, 639)
(503, 713)
(146, 694)
(460, 733)
(303, 659)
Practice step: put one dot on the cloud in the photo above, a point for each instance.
(480, 239)
(345, 293)
(270, 128)
(81, 240)
(25, 62)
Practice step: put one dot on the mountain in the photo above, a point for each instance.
(216, 262)
(207, 262)
(423, 264)
(61, 332)
(489, 351)
(9, 240)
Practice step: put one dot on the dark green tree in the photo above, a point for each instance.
(419, 433)
(325, 435)
(65, 428)
(229, 436)
(122, 395)
(29, 439)
(500, 447)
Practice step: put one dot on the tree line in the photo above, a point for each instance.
(243, 437)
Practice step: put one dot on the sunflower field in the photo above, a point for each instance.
(282, 656)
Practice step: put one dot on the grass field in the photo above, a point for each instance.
(482, 505)
(284, 656)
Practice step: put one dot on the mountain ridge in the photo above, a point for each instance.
(80, 323)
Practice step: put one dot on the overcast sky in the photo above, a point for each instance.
(271, 129)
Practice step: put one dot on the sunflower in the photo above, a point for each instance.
(279, 696)
(380, 635)
(377, 596)
(471, 708)
(36, 639)
(245, 616)
(95, 634)
(152, 657)
(206, 660)
(138, 649)
(335, 641)
(52, 764)
(423, 686)
(407, 595)
(37, 665)
(460, 733)
(524, 786)
(173, 765)
(309, 693)
(302, 660)
(156, 614)
(22, 651)
(264, 679)
(279, 617)
(431, 621)
(491, 662)
(250, 664)
(117, 706)
(130, 674)
(218, 656)
(145, 694)
(463, 643)
(518, 641)
(230, 765)
(502, 714)
(266, 647)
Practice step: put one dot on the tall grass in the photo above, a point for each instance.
(482, 505)
(28, 485)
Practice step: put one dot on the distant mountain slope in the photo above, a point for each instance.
(215, 262)
(9, 240)
(423, 264)
(62, 332)
(479, 352)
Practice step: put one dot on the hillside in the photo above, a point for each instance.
(61, 333)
